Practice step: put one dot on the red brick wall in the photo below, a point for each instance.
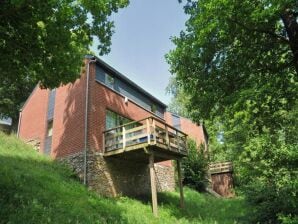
(33, 118)
(68, 122)
(69, 115)
(102, 98)
(193, 130)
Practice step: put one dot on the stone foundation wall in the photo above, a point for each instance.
(35, 143)
(116, 177)
(165, 177)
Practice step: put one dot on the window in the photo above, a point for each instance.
(51, 104)
(110, 81)
(176, 121)
(50, 128)
(113, 119)
(153, 108)
(48, 140)
(114, 81)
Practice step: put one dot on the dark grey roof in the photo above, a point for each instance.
(124, 78)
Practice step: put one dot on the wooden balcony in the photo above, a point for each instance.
(220, 167)
(135, 140)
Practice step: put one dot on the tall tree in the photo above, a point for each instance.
(45, 41)
(236, 62)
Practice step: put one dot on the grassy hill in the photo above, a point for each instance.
(36, 189)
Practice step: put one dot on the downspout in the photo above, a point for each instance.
(86, 121)
(19, 124)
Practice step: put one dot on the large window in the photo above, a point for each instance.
(113, 120)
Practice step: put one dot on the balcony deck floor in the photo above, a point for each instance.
(140, 153)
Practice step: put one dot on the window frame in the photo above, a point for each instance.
(50, 125)
(110, 80)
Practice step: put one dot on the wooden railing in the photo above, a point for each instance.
(150, 131)
(220, 167)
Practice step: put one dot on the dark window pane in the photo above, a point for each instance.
(50, 129)
(110, 81)
(176, 122)
(113, 119)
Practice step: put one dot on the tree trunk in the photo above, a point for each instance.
(291, 25)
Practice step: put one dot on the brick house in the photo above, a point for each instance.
(109, 129)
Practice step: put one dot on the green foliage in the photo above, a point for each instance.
(45, 41)
(268, 170)
(221, 53)
(194, 167)
(236, 66)
(179, 100)
(35, 189)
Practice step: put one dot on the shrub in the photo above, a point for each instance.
(195, 167)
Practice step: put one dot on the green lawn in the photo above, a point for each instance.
(35, 189)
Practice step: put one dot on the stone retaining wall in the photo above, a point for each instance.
(35, 143)
(165, 177)
(116, 177)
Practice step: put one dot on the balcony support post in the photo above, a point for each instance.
(103, 142)
(123, 138)
(153, 185)
(180, 183)
(167, 136)
(154, 131)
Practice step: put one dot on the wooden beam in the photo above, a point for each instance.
(148, 130)
(180, 184)
(153, 185)
(124, 138)
(167, 137)
(154, 131)
(103, 143)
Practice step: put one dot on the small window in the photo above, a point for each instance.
(50, 128)
(110, 81)
(153, 108)
(176, 121)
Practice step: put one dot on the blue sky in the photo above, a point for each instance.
(142, 38)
